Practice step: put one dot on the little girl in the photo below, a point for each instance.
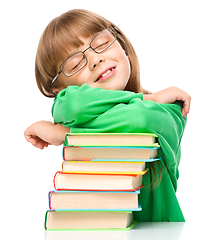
(81, 60)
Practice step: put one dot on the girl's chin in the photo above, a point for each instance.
(110, 86)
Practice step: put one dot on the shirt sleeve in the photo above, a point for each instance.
(76, 105)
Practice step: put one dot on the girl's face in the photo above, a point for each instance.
(109, 70)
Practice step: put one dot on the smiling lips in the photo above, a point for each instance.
(106, 74)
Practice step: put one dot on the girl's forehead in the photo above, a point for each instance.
(66, 47)
(77, 42)
(78, 47)
(71, 38)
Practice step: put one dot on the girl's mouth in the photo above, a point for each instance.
(106, 74)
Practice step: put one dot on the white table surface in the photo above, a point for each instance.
(154, 231)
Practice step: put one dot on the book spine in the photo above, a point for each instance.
(66, 142)
(55, 176)
(49, 199)
(46, 215)
(63, 153)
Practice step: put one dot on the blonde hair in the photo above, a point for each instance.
(63, 34)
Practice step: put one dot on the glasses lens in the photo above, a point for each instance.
(73, 64)
(103, 40)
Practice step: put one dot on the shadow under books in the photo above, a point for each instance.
(142, 230)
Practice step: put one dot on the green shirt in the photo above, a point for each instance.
(85, 109)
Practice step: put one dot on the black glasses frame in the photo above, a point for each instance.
(90, 47)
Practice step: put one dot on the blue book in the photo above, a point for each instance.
(94, 200)
(88, 153)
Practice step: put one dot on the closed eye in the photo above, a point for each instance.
(102, 46)
(78, 65)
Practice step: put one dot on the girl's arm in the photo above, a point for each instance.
(44, 133)
(74, 107)
(77, 105)
(170, 95)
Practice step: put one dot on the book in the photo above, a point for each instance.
(94, 200)
(111, 182)
(110, 139)
(99, 185)
(120, 160)
(90, 167)
(88, 220)
(107, 152)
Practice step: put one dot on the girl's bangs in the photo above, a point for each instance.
(68, 37)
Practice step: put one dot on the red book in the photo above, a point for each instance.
(97, 182)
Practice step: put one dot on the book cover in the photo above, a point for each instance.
(110, 139)
(122, 160)
(86, 181)
(108, 152)
(94, 166)
(94, 200)
(88, 220)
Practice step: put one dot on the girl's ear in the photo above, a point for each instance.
(56, 90)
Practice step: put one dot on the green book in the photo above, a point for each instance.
(111, 139)
(89, 220)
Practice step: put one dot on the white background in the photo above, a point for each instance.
(168, 38)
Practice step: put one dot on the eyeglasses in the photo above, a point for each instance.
(77, 61)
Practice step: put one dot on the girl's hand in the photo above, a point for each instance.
(170, 95)
(44, 133)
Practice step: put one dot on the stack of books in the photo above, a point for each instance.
(100, 181)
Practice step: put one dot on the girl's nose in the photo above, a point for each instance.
(94, 59)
